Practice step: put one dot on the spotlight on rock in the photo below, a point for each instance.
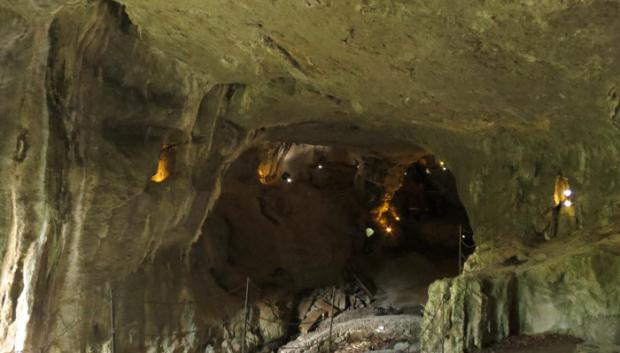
(442, 164)
(287, 177)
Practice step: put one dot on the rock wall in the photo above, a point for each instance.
(81, 212)
(24, 220)
(574, 292)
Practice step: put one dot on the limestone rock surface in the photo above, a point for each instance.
(575, 294)
(510, 94)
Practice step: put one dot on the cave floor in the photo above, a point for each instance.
(403, 281)
(535, 344)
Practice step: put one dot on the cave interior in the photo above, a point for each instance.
(311, 176)
(298, 220)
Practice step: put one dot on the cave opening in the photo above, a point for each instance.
(320, 228)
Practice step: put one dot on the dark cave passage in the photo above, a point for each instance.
(297, 219)
(433, 220)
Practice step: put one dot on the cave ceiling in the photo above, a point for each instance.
(471, 66)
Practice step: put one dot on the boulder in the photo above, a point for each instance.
(576, 293)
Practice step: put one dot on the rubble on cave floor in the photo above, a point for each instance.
(315, 308)
(361, 334)
(361, 323)
(378, 308)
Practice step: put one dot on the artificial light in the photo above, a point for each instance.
(567, 192)
(568, 203)
(163, 165)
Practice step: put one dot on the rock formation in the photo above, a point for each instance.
(98, 96)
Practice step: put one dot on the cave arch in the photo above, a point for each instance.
(307, 229)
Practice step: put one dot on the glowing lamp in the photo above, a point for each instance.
(162, 172)
(320, 166)
(397, 218)
(289, 180)
(163, 165)
(562, 190)
(388, 229)
(463, 236)
(568, 203)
